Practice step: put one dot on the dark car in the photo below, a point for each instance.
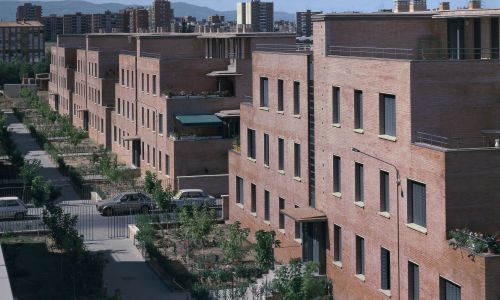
(125, 203)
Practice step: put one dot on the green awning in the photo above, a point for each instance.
(199, 120)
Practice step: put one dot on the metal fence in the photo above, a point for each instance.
(284, 47)
(455, 142)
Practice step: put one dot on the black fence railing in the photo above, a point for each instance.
(456, 142)
(284, 47)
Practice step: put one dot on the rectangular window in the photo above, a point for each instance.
(413, 281)
(384, 191)
(142, 82)
(142, 150)
(154, 121)
(133, 112)
(417, 203)
(167, 164)
(264, 92)
(337, 243)
(148, 155)
(335, 105)
(239, 191)
(142, 116)
(267, 203)
(385, 269)
(281, 106)
(102, 125)
(133, 79)
(253, 194)
(154, 157)
(296, 158)
(281, 215)
(296, 98)
(251, 143)
(358, 109)
(128, 110)
(337, 183)
(360, 255)
(266, 149)
(154, 84)
(128, 78)
(160, 123)
(147, 83)
(359, 184)
(147, 118)
(123, 77)
(119, 105)
(448, 290)
(387, 115)
(281, 154)
(114, 133)
(159, 161)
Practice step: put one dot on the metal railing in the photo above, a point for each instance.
(284, 47)
(455, 142)
(416, 54)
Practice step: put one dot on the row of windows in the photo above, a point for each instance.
(387, 109)
(92, 68)
(448, 289)
(416, 191)
(264, 95)
(96, 122)
(127, 79)
(252, 152)
(94, 94)
(127, 110)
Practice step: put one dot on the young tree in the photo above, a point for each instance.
(29, 171)
(296, 281)
(264, 248)
(232, 245)
(196, 224)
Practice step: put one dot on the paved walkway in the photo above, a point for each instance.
(126, 269)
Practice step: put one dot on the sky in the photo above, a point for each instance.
(316, 5)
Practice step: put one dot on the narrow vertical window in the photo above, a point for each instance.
(148, 155)
(154, 84)
(358, 109)
(337, 243)
(167, 164)
(239, 190)
(267, 203)
(147, 118)
(266, 149)
(296, 158)
(281, 215)
(147, 83)
(413, 281)
(142, 150)
(417, 203)
(128, 110)
(142, 82)
(154, 157)
(360, 255)
(160, 123)
(335, 105)
(159, 161)
(387, 109)
(154, 121)
(118, 108)
(359, 184)
(384, 191)
(449, 290)
(114, 133)
(281, 106)
(253, 194)
(385, 269)
(264, 92)
(337, 182)
(281, 154)
(296, 98)
(128, 78)
(251, 144)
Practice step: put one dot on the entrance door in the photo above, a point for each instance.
(136, 153)
(314, 243)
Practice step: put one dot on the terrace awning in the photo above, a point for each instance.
(304, 214)
(199, 120)
(132, 138)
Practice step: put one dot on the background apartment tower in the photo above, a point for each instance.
(160, 16)
(29, 12)
(77, 23)
(401, 6)
(255, 16)
(139, 20)
(304, 22)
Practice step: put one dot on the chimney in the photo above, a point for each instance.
(444, 6)
(474, 4)
(418, 5)
(401, 6)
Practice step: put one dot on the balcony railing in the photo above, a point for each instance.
(416, 54)
(284, 48)
(457, 143)
(181, 137)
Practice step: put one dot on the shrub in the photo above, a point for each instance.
(264, 248)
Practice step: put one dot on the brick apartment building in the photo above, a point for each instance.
(29, 12)
(23, 40)
(365, 159)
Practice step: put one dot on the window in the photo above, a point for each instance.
(147, 118)
(251, 143)
(119, 105)
(337, 186)
(159, 161)
(281, 215)
(102, 125)
(253, 194)
(296, 98)
(360, 255)
(142, 116)
(239, 190)
(142, 151)
(154, 84)
(417, 203)
(358, 109)
(335, 105)
(128, 110)
(266, 205)
(148, 155)
(296, 158)
(160, 123)
(142, 82)
(384, 191)
(154, 120)
(133, 112)
(128, 78)
(114, 133)
(266, 149)
(385, 269)
(359, 189)
(167, 164)
(123, 77)
(154, 157)
(147, 83)
(133, 79)
(448, 290)
(387, 115)
(413, 281)
(280, 95)
(337, 243)
(119, 136)
(281, 154)
(264, 92)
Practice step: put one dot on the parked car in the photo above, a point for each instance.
(125, 203)
(194, 197)
(12, 208)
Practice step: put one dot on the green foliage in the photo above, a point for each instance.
(296, 281)
(232, 245)
(43, 192)
(196, 224)
(475, 241)
(62, 229)
(30, 170)
(161, 197)
(264, 248)
(151, 182)
(146, 233)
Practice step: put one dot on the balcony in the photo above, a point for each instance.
(422, 54)
(195, 96)
(293, 48)
(205, 127)
(489, 140)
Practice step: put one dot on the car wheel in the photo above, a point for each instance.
(145, 210)
(108, 211)
(19, 216)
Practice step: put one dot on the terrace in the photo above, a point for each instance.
(223, 125)
(489, 140)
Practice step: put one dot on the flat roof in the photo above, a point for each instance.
(468, 13)
(227, 35)
(198, 120)
(305, 214)
(21, 24)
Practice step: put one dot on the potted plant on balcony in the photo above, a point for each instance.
(492, 243)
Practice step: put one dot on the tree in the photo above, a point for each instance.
(196, 224)
(29, 171)
(62, 229)
(232, 245)
(296, 281)
(163, 198)
(264, 248)
(43, 193)
(150, 182)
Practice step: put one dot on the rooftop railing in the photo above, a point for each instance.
(417, 54)
(284, 48)
(457, 143)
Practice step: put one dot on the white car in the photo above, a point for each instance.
(12, 208)
(194, 197)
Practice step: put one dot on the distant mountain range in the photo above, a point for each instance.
(8, 9)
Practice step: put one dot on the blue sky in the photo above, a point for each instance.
(323, 5)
